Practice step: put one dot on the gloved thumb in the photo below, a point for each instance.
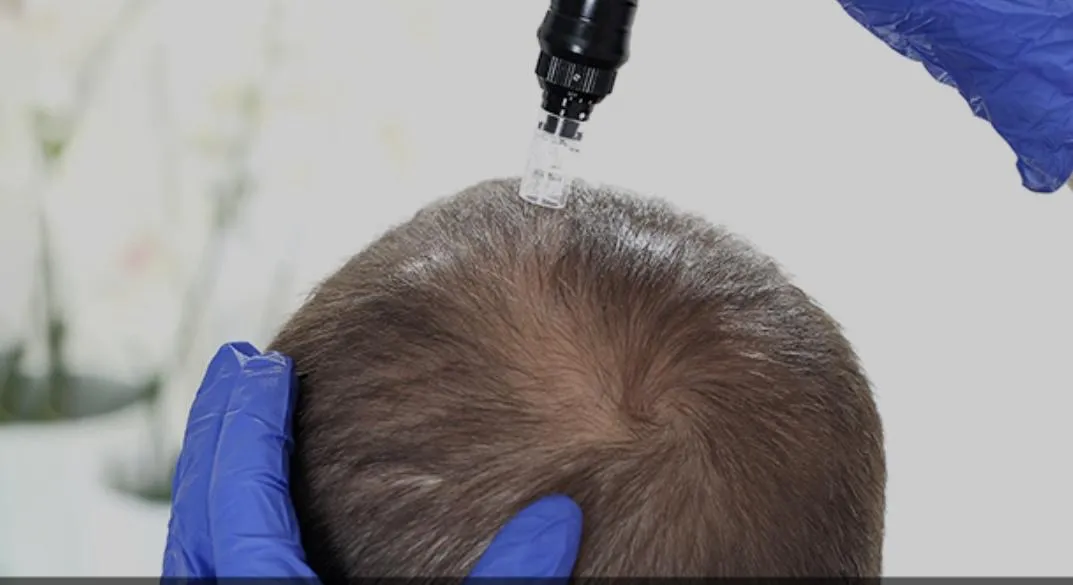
(541, 541)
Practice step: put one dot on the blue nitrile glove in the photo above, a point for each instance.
(1012, 60)
(231, 512)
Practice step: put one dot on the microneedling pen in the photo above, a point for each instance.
(583, 43)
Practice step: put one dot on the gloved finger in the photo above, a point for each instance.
(255, 529)
(1010, 61)
(541, 541)
(188, 552)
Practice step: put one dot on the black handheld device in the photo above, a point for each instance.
(583, 43)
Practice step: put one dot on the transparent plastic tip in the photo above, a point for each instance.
(552, 159)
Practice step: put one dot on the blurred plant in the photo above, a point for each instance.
(59, 395)
(150, 477)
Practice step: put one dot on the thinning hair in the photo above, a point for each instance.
(707, 416)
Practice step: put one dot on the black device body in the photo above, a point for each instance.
(583, 43)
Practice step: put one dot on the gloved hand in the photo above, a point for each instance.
(1012, 60)
(231, 508)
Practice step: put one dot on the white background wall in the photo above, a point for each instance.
(784, 120)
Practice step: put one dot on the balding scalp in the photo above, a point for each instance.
(707, 416)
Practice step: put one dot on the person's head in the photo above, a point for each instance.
(707, 416)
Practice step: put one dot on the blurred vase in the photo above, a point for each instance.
(146, 282)
(50, 490)
(68, 306)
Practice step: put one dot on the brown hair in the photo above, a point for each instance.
(707, 416)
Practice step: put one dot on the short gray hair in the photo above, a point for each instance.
(708, 417)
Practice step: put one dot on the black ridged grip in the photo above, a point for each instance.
(583, 43)
(575, 76)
